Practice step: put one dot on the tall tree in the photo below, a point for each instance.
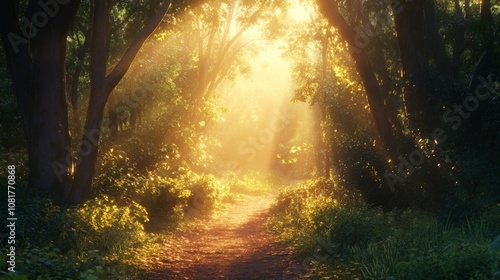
(379, 112)
(36, 56)
(418, 34)
(222, 32)
(488, 64)
(101, 86)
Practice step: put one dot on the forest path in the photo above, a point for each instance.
(231, 244)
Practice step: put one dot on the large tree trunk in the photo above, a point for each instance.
(410, 45)
(75, 79)
(435, 43)
(101, 87)
(51, 138)
(365, 70)
(488, 64)
(38, 83)
(85, 170)
(417, 35)
(20, 67)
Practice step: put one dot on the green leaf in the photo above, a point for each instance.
(91, 277)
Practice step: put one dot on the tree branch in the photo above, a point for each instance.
(124, 64)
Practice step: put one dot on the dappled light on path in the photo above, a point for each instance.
(232, 244)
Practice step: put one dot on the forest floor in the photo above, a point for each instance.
(233, 244)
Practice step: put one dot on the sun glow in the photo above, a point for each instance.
(299, 12)
(260, 118)
(255, 124)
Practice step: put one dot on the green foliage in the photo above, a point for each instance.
(355, 227)
(87, 242)
(491, 218)
(102, 225)
(475, 174)
(303, 213)
(377, 260)
(251, 183)
(164, 200)
(466, 260)
(365, 243)
(43, 263)
(39, 220)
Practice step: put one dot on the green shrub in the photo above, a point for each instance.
(167, 200)
(115, 172)
(317, 190)
(377, 261)
(102, 225)
(46, 263)
(251, 183)
(366, 243)
(316, 210)
(76, 243)
(207, 193)
(455, 261)
(164, 200)
(39, 221)
(350, 227)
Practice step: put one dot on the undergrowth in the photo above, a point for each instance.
(338, 236)
(113, 235)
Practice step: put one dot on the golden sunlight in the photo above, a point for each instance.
(299, 12)
(243, 139)
(260, 120)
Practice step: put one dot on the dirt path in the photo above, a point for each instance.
(232, 244)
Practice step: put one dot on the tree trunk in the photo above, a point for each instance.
(75, 79)
(101, 87)
(365, 70)
(435, 43)
(488, 64)
(410, 24)
(38, 83)
(113, 116)
(74, 99)
(52, 145)
(85, 169)
(459, 42)
(20, 67)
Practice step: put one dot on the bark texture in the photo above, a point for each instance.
(373, 92)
